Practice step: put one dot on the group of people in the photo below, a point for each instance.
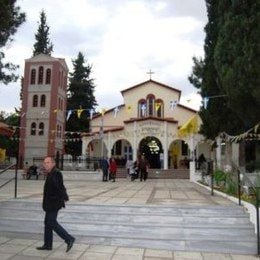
(32, 170)
(139, 169)
(109, 169)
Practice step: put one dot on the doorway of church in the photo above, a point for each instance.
(151, 147)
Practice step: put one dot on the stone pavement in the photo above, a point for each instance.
(122, 192)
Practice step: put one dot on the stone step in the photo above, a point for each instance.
(135, 219)
(178, 210)
(192, 228)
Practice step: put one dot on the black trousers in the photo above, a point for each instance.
(51, 224)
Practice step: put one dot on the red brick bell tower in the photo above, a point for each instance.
(43, 114)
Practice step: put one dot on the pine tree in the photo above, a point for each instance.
(80, 96)
(229, 67)
(43, 44)
(10, 19)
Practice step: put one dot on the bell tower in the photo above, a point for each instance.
(43, 114)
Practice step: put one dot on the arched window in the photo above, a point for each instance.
(40, 76)
(41, 128)
(159, 108)
(33, 128)
(33, 76)
(48, 76)
(43, 100)
(150, 105)
(35, 101)
(142, 108)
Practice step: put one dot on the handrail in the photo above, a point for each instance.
(256, 191)
(7, 168)
(14, 178)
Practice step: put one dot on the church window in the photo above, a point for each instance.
(41, 128)
(33, 76)
(159, 108)
(33, 128)
(43, 100)
(150, 105)
(40, 76)
(48, 76)
(141, 108)
(35, 101)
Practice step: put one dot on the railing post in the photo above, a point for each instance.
(239, 187)
(15, 179)
(210, 171)
(257, 220)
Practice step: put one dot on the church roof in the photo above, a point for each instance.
(47, 58)
(155, 82)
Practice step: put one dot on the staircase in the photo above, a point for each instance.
(221, 229)
(159, 173)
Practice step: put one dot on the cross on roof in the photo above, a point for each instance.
(150, 72)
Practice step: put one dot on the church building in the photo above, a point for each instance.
(147, 123)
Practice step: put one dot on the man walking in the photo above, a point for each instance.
(54, 197)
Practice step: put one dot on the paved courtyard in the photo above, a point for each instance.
(123, 191)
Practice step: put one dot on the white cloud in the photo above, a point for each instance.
(121, 39)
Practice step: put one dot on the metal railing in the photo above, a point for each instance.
(236, 180)
(11, 179)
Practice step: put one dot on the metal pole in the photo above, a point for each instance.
(15, 179)
(257, 220)
(239, 187)
(210, 169)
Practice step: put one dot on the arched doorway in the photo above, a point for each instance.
(122, 152)
(151, 147)
(178, 154)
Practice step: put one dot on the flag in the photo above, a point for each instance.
(157, 105)
(79, 111)
(116, 110)
(189, 128)
(2, 155)
(69, 114)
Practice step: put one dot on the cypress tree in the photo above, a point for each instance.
(43, 44)
(80, 96)
(228, 72)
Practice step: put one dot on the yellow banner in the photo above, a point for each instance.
(189, 128)
(2, 155)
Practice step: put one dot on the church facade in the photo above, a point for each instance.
(147, 123)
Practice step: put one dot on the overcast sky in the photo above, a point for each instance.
(121, 39)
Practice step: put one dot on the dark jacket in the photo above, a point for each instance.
(54, 192)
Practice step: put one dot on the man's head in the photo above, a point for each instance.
(48, 163)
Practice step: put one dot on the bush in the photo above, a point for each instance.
(220, 176)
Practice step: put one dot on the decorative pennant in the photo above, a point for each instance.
(173, 104)
(205, 102)
(116, 110)
(129, 108)
(79, 111)
(103, 110)
(91, 112)
(143, 108)
(157, 105)
(69, 114)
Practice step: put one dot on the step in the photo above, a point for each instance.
(193, 228)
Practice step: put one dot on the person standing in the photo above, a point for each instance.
(143, 168)
(54, 197)
(105, 166)
(113, 169)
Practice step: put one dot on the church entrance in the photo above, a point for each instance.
(151, 147)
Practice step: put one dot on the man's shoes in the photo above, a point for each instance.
(44, 247)
(70, 244)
